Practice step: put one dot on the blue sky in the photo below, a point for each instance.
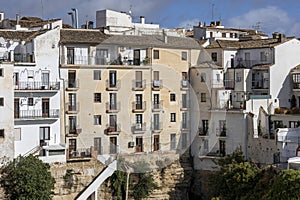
(272, 15)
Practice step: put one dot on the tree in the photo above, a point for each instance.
(144, 185)
(27, 178)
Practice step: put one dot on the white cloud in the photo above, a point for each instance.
(270, 19)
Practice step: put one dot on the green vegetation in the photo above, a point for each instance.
(239, 179)
(27, 178)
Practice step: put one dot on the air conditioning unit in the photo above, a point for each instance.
(156, 83)
(184, 83)
(130, 144)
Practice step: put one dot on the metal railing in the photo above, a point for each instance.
(72, 108)
(113, 86)
(138, 107)
(31, 114)
(73, 130)
(296, 85)
(229, 83)
(80, 153)
(37, 86)
(113, 149)
(112, 128)
(139, 127)
(138, 84)
(72, 84)
(221, 132)
(157, 106)
(112, 107)
(157, 84)
(250, 63)
(26, 58)
(156, 127)
(202, 132)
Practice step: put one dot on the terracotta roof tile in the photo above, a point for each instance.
(20, 35)
(82, 36)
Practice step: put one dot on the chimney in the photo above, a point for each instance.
(142, 19)
(1, 16)
(275, 35)
(165, 36)
(76, 17)
(90, 25)
(18, 19)
(200, 24)
(281, 37)
(218, 23)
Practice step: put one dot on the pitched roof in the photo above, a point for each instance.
(153, 41)
(82, 36)
(20, 35)
(260, 43)
(30, 22)
(249, 31)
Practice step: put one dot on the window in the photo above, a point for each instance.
(263, 56)
(139, 144)
(202, 77)
(1, 72)
(203, 97)
(278, 124)
(44, 133)
(294, 124)
(97, 119)
(1, 133)
(1, 101)
(184, 140)
(156, 54)
(173, 117)
(70, 55)
(231, 35)
(214, 56)
(30, 101)
(97, 145)
(97, 97)
(72, 102)
(172, 97)
(183, 55)
(224, 35)
(97, 74)
(205, 126)
(173, 141)
(238, 77)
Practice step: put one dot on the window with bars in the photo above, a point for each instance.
(97, 97)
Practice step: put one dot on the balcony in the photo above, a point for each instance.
(202, 132)
(138, 107)
(157, 84)
(73, 131)
(138, 85)
(37, 114)
(184, 105)
(37, 86)
(157, 126)
(72, 108)
(229, 84)
(110, 86)
(251, 63)
(113, 149)
(296, 86)
(24, 58)
(157, 106)
(112, 129)
(72, 85)
(184, 85)
(221, 132)
(112, 107)
(139, 127)
(80, 154)
(185, 125)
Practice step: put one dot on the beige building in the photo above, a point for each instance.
(125, 94)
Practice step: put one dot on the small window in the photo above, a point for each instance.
(214, 56)
(97, 97)
(45, 133)
(203, 77)
(97, 119)
(30, 101)
(224, 35)
(172, 97)
(173, 117)
(1, 101)
(1, 133)
(156, 54)
(97, 74)
(1, 72)
(203, 97)
(183, 55)
(238, 77)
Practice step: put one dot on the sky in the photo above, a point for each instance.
(265, 15)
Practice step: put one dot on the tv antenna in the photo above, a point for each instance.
(257, 26)
(212, 11)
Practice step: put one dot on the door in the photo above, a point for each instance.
(139, 101)
(113, 101)
(136, 57)
(184, 120)
(139, 144)
(72, 124)
(138, 79)
(97, 145)
(45, 107)
(70, 55)
(72, 147)
(112, 78)
(45, 80)
(72, 102)
(156, 101)
(156, 143)
(17, 108)
(72, 79)
(113, 122)
(222, 147)
(113, 145)
(102, 55)
(184, 101)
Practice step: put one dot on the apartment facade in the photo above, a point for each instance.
(125, 94)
